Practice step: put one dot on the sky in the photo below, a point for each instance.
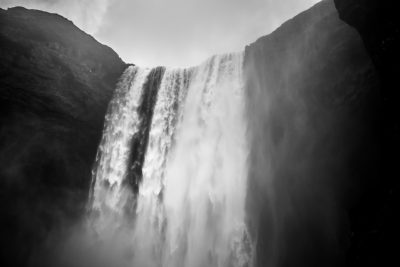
(176, 33)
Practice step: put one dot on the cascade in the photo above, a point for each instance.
(185, 205)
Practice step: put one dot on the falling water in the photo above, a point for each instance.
(190, 203)
(121, 123)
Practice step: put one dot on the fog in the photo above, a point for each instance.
(310, 127)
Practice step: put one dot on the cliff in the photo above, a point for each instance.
(313, 97)
(374, 220)
(55, 84)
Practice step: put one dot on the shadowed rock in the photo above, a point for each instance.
(373, 220)
(312, 108)
(55, 85)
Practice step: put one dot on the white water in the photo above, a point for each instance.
(121, 123)
(190, 206)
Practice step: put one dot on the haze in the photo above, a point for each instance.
(172, 32)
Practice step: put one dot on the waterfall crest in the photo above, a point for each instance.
(189, 206)
(121, 124)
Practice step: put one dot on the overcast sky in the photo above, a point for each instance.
(172, 32)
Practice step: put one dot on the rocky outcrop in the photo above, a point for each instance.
(373, 220)
(55, 84)
(313, 100)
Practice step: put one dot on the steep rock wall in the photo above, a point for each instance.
(55, 84)
(373, 219)
(312, 112)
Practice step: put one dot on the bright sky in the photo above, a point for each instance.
(172, 32)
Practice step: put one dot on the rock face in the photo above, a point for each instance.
(312, 107)
(55, 84)
(373, 219)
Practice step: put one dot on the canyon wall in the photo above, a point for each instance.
(55, 84)
(373, 220)
(312, 108)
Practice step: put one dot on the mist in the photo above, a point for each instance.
(312, 141)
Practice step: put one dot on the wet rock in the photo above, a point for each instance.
(374, 222)
(313, 97)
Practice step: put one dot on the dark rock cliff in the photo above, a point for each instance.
(312, 106)
(55, 84)
(374, 219)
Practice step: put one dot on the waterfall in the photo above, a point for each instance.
(121, 123)
(189, 206)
